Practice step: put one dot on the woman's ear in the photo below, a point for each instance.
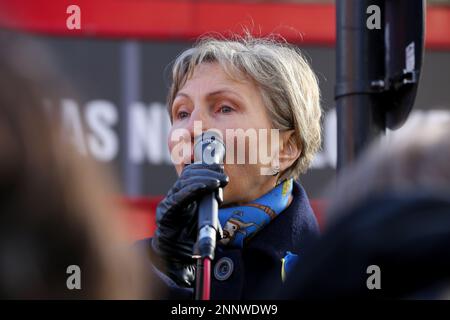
(289, 149)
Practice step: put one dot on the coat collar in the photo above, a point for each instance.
(259, 262)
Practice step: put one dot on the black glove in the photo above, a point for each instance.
(176, 218)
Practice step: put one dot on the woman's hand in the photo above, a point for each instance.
(176, 218)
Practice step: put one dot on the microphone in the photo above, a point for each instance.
(208, 149)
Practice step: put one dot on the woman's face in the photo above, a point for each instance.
(219, 102)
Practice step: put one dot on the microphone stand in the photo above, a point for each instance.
(206, 244)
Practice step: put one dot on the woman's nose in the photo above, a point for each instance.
(199, 121)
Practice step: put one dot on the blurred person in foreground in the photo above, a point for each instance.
(390, 215)
(55, 207)
(248, 84)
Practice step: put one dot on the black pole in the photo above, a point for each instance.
(360, 66)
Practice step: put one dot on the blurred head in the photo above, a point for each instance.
(55, 208)
(415, 158)
(252, 86)
(390, 212)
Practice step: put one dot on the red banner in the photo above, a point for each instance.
(306, 23)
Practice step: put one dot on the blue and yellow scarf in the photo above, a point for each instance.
(241, 223)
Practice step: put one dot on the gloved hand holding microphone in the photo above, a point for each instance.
(177, 214)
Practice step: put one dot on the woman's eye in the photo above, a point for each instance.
(225, 109)
(182, 115)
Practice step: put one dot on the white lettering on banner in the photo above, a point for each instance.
(146, 139)
(72, 123)
(103, 143)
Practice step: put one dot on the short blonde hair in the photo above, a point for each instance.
(288, 86)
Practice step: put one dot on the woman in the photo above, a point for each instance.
(247, 84)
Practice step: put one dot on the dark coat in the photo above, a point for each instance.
(254, 271)
(406, 235)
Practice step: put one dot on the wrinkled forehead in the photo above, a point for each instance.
(222, 69)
